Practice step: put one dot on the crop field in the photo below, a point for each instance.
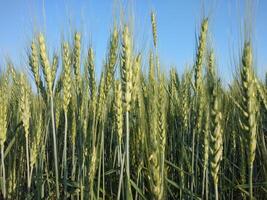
(138, 131)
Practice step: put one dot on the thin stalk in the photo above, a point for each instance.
(31, 172)
(100, 158)
(182, 164)
(80, 158)
(128, 194)
(193, 162)
(39, 183)
(250, 182)
(216, 191)
(99, 176)
(65, 154)
(3, 171)
(207, 184)
(121, 178)
(103, 163)
(196, 160)
(55, 145)
(73, 162)
(127, 146)
(203, 184)
(28, 165)
(91, 182)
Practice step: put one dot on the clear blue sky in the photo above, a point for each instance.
(178, 23)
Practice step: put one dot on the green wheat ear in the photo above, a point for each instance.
(3, 113)
(118, 110)
(248, 119)
(214, 124)
(34, 63)
(24, 103)
(200, 54)
(126, 69)
(77, 60)
(111, 59)
(45, 63)
(92, 79)
(66, 77)
(262, 92)
(216, 139)
(154, 28)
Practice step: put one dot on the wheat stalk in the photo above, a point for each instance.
(24, 105)
(126, 76)
(48, 77)
(66, 101)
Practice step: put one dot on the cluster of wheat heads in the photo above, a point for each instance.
(131, 135)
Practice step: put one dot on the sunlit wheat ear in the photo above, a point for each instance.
(154, 156)
(248, 120)
(262, 93)
(136, 76)
(173, 93)
(211, 66)
(13, 73)
(201, 105)
(154, 28)
(156, 144)
(3, 113)
(34, 63)
(111, 59)
(101, 96)
(186, 100)
(216, 139)
(24, 108)
(36, 141)
(58, 109)
(77, 59)
(91, 70)
(15, 88)
(24, 104)
(162, 114)
(162, 128)
(151, 74)
(45, 63)
(4, 98)
(66, 76)
(200, 53)
(211, 76)
(249, 101)
(126, 69)
(73, 122)
(54, 67)
(118, 110)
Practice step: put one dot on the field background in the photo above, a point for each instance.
(129, 100)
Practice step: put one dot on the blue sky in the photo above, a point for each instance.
(178, 23)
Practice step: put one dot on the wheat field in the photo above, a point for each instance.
(131, 135)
